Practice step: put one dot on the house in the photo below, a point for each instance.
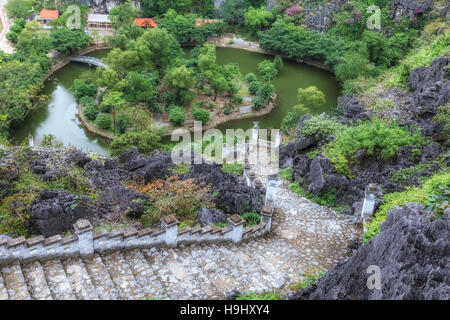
(98, 21)
(200, 22)
(145, 22)
(46, 16)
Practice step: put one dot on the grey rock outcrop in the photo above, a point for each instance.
(412, 251)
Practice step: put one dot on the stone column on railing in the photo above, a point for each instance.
(372, 193)
(237, 224)
(83, 229)
(266, 216)
(272, 181)
(170, 224)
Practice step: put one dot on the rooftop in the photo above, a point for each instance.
(145, 22)
(49, 14)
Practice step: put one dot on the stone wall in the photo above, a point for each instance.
(85, 242)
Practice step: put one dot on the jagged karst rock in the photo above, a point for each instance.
(56, 212)
(206, 216)
(412, 251)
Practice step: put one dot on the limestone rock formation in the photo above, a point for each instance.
(412, 252)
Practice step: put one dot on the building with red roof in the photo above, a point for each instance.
(46, 16)
(145, 22)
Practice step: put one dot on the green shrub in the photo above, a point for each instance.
(321, 127)
(402, 175)
(236, 100)
(290, 120)
(250, 78)
(286, 174)
(419, 195)
(201, 115)
(123, 123)
(263, 296)
(377, 138)
(82, 89)
(254, 87)
(145, 141)
(90, 112)
(233, 168)
(104, 121)
(227, 111)
(177, 115)
(180, 168)
(251, 218)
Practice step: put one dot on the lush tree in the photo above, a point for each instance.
(310, 97)
(290, 120)
(33, 41)
(20, 86)
(145, 141)
(352, 66)
(104, 121)
(202, 115)
(254, 86)
(233, 11)
(267, 70)
(115, 103)
(82, 89)
(19, 8)
(181, 80)
(67, 40)
(90, 112)
(376, 44)
(123, 16)
(181, 26)
(141, 86)
(177, 115)
(258, 19)
(122, 61)
(157, 49)
(159, 7)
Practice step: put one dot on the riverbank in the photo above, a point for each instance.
(234, 42)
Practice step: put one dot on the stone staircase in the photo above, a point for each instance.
(303, 235)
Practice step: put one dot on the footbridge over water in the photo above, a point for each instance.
(91, 61)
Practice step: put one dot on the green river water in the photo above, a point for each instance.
(59, 117)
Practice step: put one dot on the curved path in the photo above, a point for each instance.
(5, 45)
(304, 235)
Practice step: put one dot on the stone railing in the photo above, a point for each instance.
(84, 243)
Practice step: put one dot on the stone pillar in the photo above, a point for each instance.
(372, 193)
(266, 216)
(237, 225)
(271, 184)
(83, 229)
(170, 224)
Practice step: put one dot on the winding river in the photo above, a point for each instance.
(59, 117)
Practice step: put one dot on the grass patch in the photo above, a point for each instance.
(431, 188)
(286, 174)
(180, 168)
(402, 175)
(251, 219)
(233, 168)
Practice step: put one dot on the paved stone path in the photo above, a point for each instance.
(5, 45)
(304, 235)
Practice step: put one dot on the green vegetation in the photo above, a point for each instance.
(402, 175)
(286, 174)
(233, 168)
(201, 115)
(429, 193)
(145, 141)
(321, 127)
(251, 219)
(263, 296)
(180, 168)
(377, 138)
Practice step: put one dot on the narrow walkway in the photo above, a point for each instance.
(5, 45)
(303, 235)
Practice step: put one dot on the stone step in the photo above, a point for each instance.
(143, 273)
(80, 280)
(37, 283)
(57, 280)
(15, 282)
(122, 276)
(3, 291)
(101, 278)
